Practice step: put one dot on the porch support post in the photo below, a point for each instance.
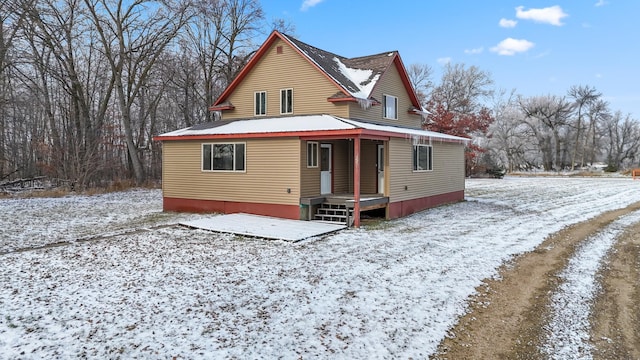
(356, 181)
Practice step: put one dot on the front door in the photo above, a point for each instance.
(380, 166)
(325, 168)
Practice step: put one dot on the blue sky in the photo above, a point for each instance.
(536, 47)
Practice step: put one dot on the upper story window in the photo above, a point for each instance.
(390, 107)
(223, 157)
(286, 101)
(312, 154)
(260, 103)
(422, 157)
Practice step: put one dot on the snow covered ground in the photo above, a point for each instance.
(391, 290)
(568, 330)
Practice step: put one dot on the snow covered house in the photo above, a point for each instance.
(307, 134)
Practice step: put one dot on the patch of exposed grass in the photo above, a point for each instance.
(377, 224)
(114, 186)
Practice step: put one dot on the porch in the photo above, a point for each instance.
(339, 208)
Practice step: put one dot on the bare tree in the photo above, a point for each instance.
(598, 113)
(420, 77)
(241, 21)
(583, 96)
(71, 83)
(133, 38)
(220, 39)
(508, 138)
(284, 26)
(11, 20)
(547, 116)
(623, 134)
(463, 90)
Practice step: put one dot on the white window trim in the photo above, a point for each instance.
(286, 113)
(316, 155)
(255, 109)
(384, 108)
(414, 161)
(234, 158)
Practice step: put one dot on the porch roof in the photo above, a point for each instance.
(300, 126)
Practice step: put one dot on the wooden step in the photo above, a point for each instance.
(332, 212)
(332, 218)
(335, 213)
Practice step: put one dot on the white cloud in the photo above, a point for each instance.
(549, 15)
(474, 51)
(309, 4)
(598, 76)
(510, 46)
(444, 60)
(601, 3)
(507, 23)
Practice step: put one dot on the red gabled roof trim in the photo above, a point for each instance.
(342, 99)
(221, 107)
(351, 99)
(245, 70)
(275, 35)
(404, 76)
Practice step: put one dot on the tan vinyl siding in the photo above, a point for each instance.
(341, 162)
(389, 84)
(368, 171)
(309, 177)
(272, 167)
(447, 175)
(288, 70)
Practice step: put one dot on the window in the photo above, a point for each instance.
(261, 103)
(312, 154)
(422, 158)
(390, 107)
(223, 157)
(286, 101)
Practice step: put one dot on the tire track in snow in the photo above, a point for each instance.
(569, 327)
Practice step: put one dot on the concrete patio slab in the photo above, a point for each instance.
(263, 226)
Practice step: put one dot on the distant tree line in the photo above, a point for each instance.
(85, 84)
(511, 132)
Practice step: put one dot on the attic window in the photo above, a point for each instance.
(279, 49)
(390, 107)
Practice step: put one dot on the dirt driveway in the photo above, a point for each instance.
(507, 318)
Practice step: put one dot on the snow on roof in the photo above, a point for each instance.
(305, 123)
(267, 125)
(357, 76)
(405, 131)
(360, 77)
